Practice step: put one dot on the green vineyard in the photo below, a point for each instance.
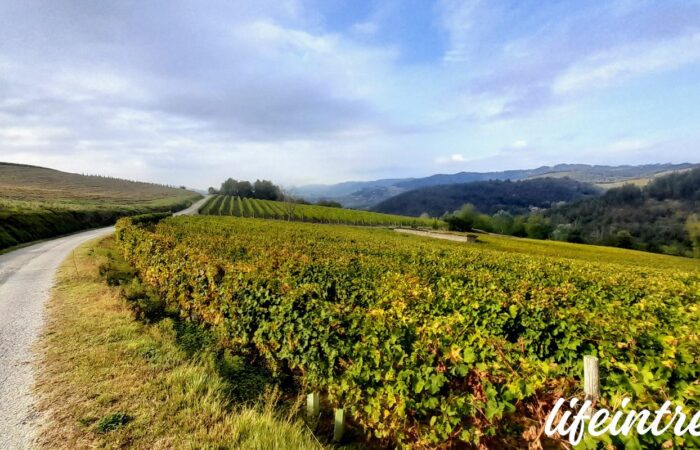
(226, 205)
(430, 343)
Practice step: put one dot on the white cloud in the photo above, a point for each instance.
(458, 18)
(35, 136)
(452, 159)
(366, 28)
(199, 91)
(628, 145)
(614, 66)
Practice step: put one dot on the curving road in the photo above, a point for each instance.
(26, 278)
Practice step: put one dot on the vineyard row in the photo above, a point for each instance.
(226, 205)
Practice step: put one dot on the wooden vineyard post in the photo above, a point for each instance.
(339, 426)
(313, 408)
(591, 381)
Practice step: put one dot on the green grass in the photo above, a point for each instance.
(38, 203)
(581, 252)
(222, 205)
(640, 182)
(108, 380)
(589, 253)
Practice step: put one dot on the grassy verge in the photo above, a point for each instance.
(107, 379)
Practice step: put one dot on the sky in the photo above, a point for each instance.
(322, 91)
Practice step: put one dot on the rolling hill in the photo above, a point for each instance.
(38, 203)
(655, 217)
(515, 197)
(366, 194)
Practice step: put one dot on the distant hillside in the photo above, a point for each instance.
(366, 194)
(37, 202)
(515, 197)
(318, 191)
(654, 217)
(23, 182)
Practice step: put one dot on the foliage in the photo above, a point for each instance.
(693, 228)
(432, 343)
(113, 421)
(38, 203)
(651, 218)
(150, 218)
(678, 186)
(462, 219)
(18, 226)
(654, 218)
(537, 227)
(489, 197)
(368, 194)
(166, 375)
(261, 189)
(245, 207)
(329, 203)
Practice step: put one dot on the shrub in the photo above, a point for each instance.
(112, 422)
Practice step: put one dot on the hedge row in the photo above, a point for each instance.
(19, 227)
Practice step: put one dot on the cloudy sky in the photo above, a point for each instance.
(328, 90)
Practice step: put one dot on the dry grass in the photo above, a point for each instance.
(108, 381)
(38, 203)
(30, 183)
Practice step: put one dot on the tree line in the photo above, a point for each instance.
(260, 189)
(660, 217)
(265, 190)
(516, 197)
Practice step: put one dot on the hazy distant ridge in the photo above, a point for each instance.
(366, 194)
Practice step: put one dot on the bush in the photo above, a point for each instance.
(116, 276)
(146, 305)
(17, 227)
(112, 422)
(462, 219)
(150, 218)
(537, 227)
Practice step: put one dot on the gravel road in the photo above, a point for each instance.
(26, 278)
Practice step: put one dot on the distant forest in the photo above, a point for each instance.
(661, 217)
(514, 197)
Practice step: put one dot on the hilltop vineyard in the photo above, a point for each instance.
(428, 343)
(226, 205)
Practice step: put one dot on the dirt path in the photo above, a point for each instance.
(26, 278)
(448, 237)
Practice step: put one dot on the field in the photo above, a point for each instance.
(426, 342)
(225, 205)
(640, 182)
(38, 203)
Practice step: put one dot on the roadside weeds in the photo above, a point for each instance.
(105, 379)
